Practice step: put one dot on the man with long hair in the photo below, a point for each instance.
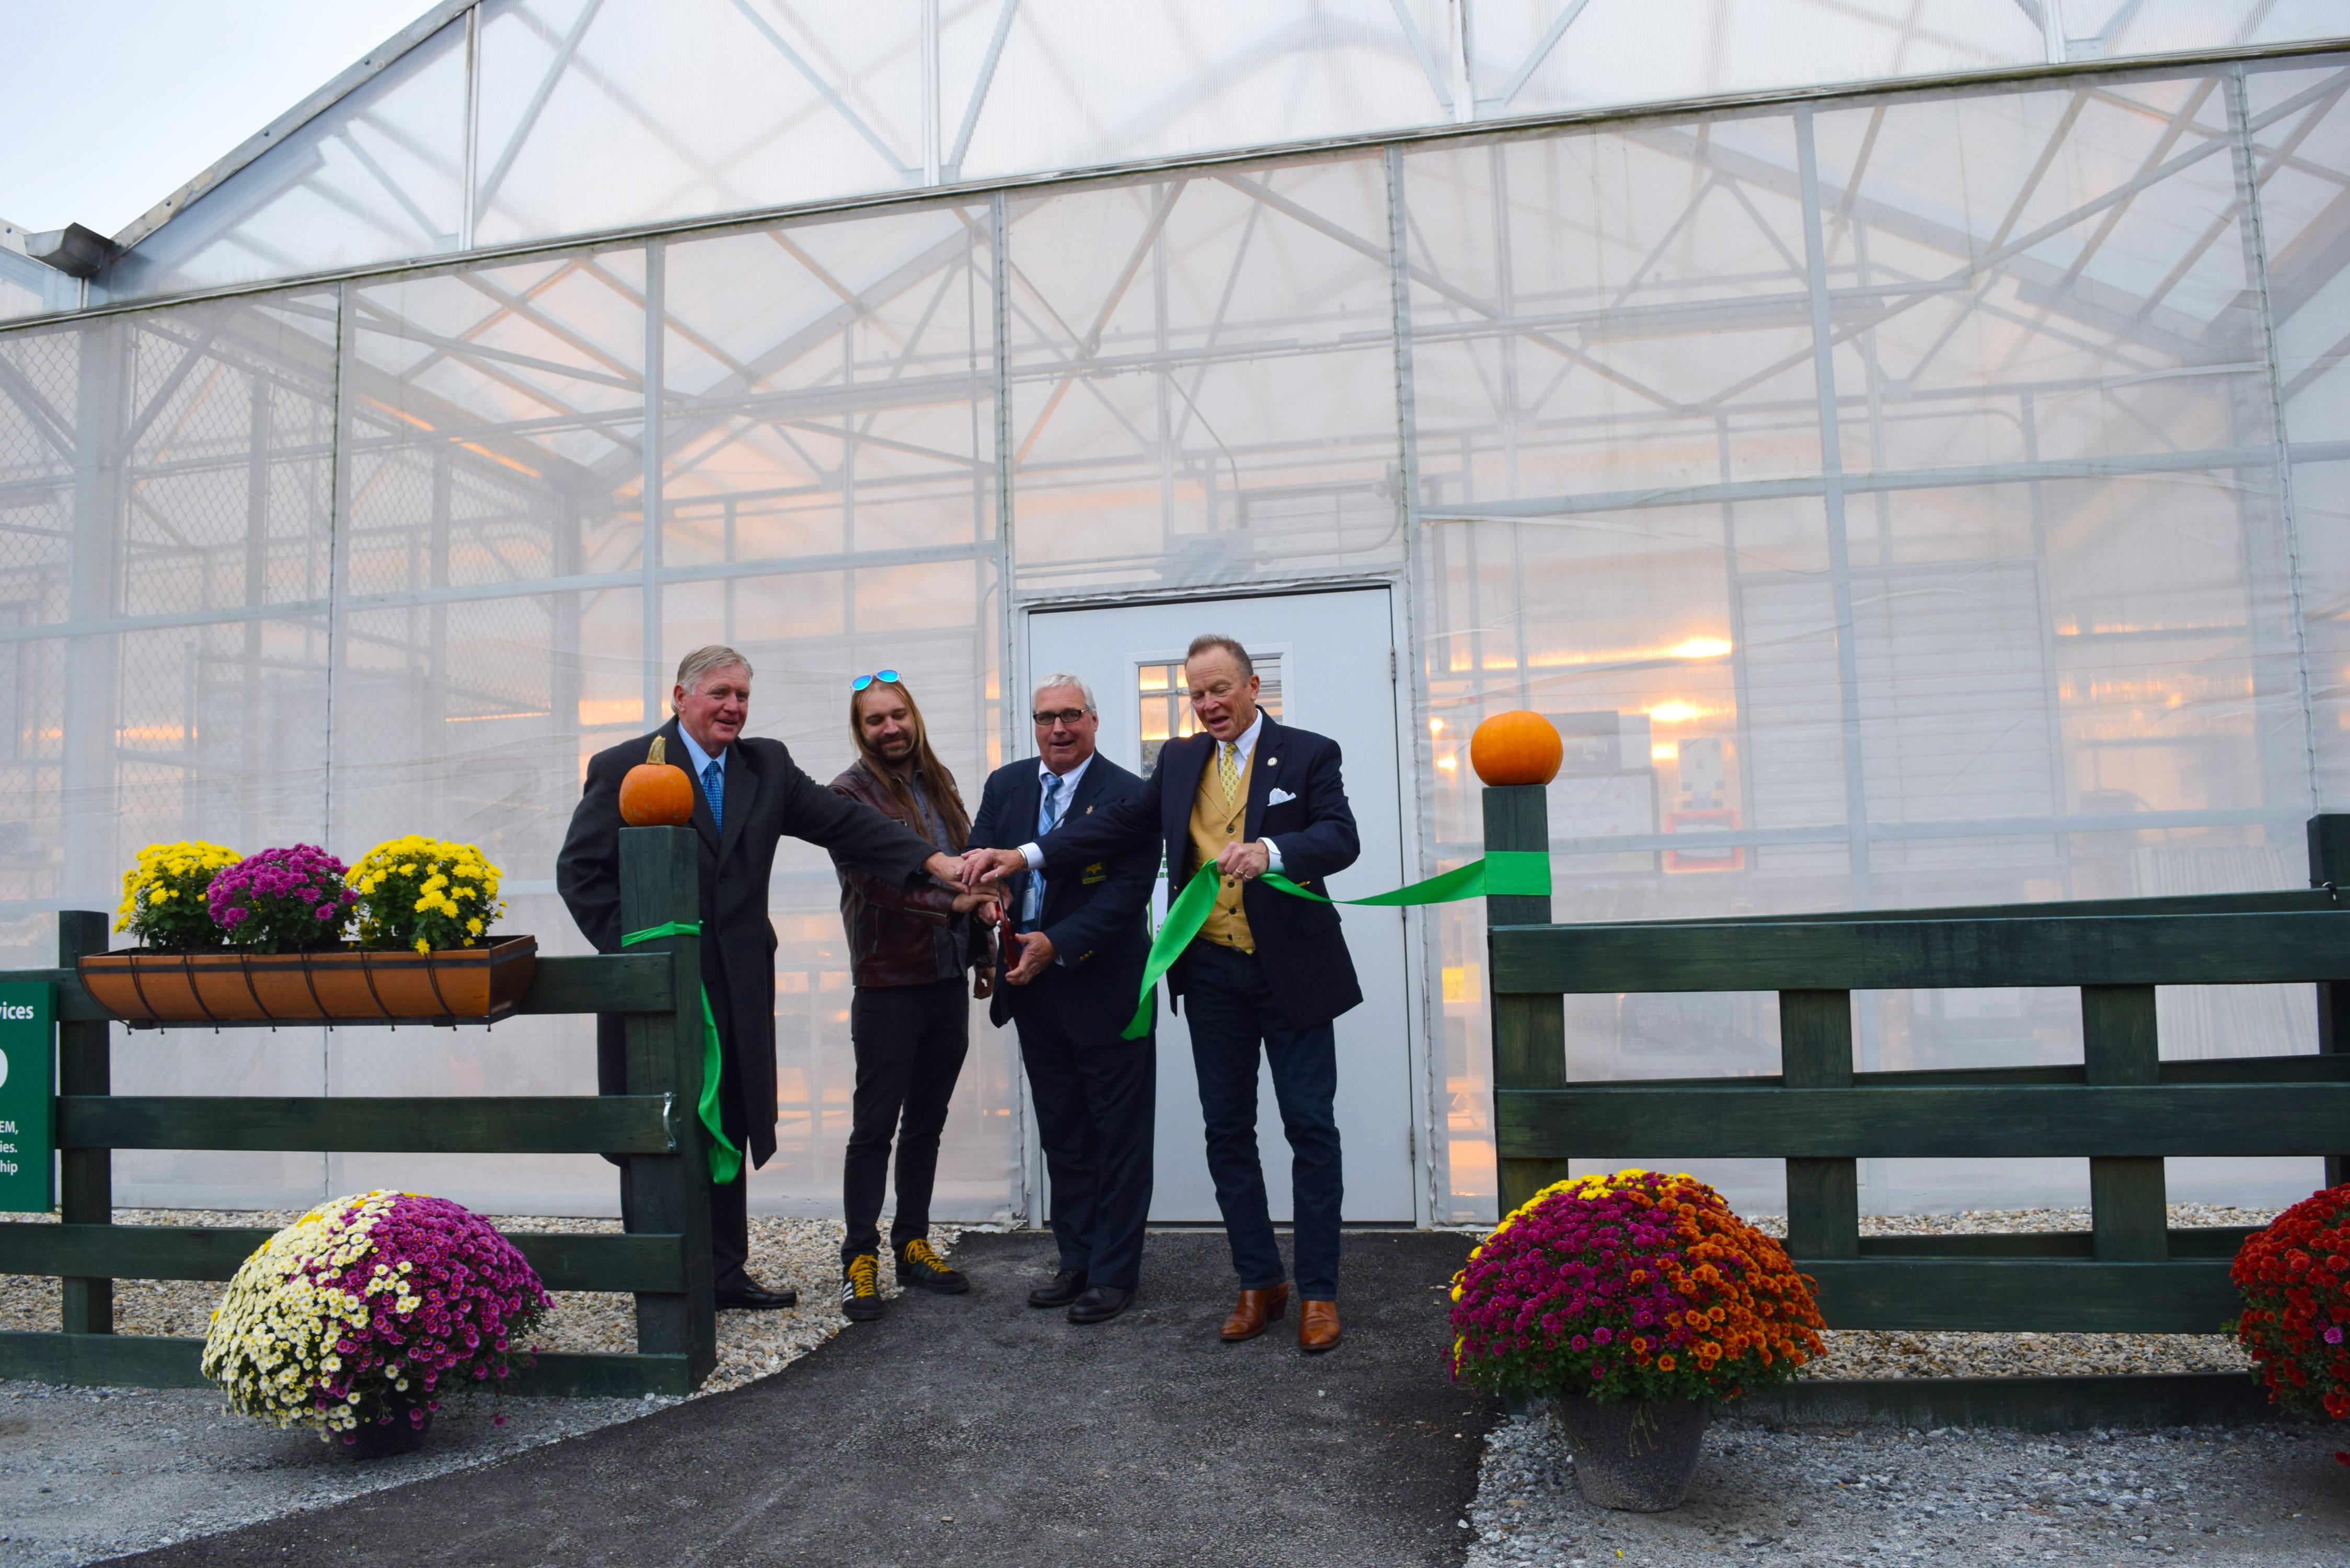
(909, 1021)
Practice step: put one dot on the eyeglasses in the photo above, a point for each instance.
(1059, 716)
(862, 682)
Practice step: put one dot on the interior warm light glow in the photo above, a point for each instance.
(1448, 763)
(1675, 711)
(1436, 726)
(1688, 647)
(1664, 751)
(598, 711)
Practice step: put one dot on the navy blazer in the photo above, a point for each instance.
(1303, 952)
(1093, 916)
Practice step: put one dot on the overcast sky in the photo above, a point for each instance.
(111, 105)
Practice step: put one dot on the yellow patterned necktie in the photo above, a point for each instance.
(1227, 769)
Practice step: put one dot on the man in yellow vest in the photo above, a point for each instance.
(1267, 970)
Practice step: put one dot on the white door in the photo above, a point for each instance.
(1326, 663)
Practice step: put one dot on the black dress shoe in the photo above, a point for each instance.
(756, 1297)
(1099, 1303)
(1061, 1289)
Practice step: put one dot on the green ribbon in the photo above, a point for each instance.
(726, 1159)
(1524, 873)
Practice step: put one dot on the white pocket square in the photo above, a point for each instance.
(1277, 796)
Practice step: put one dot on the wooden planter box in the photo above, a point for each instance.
(141, 987)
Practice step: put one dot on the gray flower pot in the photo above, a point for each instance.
(1630, 1454)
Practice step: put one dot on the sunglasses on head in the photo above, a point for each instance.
(862, 682)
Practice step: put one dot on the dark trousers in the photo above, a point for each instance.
(1096, 1105)
(910, 1042)
(1231, 1012)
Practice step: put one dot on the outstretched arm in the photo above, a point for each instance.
(1105, 833)
(859, 836)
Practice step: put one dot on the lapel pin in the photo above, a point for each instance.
(1272, 761)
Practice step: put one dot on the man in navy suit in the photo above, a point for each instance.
(1268, 969)
(1081, 940)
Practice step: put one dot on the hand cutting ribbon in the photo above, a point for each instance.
(1525, 872)
(726, 1159)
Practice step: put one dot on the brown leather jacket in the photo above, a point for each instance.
(894, 933)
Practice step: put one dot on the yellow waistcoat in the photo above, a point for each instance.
(1213, 825)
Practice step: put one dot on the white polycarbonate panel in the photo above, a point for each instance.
(1532, 57)
(2096, 28)
(828, 453)
(2303, 153)
(598, 114)
(173, 468)
(592, 115)
(1202, 382)
(376, 177)
(1076, 83)
(2024, 630)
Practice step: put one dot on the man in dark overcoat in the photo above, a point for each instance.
(1081, 938)
(748, 794)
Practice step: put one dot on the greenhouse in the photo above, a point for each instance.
(1901, 444)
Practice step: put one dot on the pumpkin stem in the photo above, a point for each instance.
(658, 753)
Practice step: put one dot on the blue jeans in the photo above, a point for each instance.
(1231, 1012)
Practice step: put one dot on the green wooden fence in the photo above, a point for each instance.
(2124, 1108)
(663, 1259)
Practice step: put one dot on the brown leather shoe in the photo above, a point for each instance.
(1318, 1327)
(1257, 1312)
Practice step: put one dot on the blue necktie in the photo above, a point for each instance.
(1031, 900)
(713, 784)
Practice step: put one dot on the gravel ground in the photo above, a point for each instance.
(1883, 1352)
(2267, 1496)
(89, 1473)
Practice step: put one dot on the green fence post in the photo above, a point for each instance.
(1823, 1195)
(670, 1193)
(1529, 1031)
(2119, 1045)
(86, 1176)
(2329, 864)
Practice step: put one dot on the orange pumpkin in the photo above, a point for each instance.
(1516, 748)
(657, 792)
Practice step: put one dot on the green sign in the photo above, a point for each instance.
(27, 1131)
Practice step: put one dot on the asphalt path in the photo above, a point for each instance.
(975, 1430)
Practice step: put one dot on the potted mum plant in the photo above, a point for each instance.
(1633, 1303)
(282, 902)
(274, 950)
(2294, 1276)
(362, 1317)
(163, 902)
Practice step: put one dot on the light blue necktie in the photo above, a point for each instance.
(1031, 900)
(713, 784)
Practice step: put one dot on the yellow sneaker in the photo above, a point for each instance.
(923, 1269)
(860, 1288)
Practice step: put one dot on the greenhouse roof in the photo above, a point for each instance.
(491, 124)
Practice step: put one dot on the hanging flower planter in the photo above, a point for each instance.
(260, 939)
(150, 987)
